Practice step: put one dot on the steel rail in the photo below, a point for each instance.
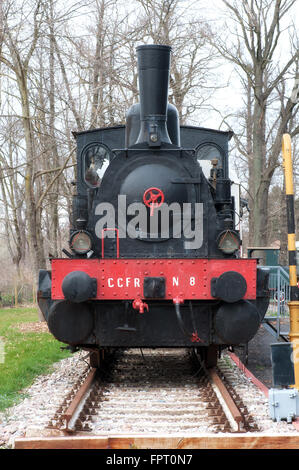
(233, 409)
(223, 405)
(79, 396)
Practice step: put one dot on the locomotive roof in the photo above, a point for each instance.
(229, 132)
(75, 133)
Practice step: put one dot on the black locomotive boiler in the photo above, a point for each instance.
(154, 256)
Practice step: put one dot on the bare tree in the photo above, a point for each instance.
(12, 194)
(17, 59)
(257, 37)
(193, 60)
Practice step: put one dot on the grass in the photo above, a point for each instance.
(23, 356)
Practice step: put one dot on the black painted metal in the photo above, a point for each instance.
(133, 125)
(154, 287)
(119, 325)
(282, 364)
(78, 286)
(130, 174)
(70, 322)
(230, 287)
(236, 323)
(156, 160)
(153, 73)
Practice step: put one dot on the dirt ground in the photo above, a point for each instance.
(259, 355)
(32, 327)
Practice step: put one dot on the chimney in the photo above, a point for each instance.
(153, 73)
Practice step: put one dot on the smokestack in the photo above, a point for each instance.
(153, 73)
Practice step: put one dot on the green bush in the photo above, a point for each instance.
(7, 300)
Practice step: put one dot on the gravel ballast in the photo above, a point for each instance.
(31, 416)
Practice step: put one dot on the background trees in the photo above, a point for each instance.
(69, 66)
(261, 44)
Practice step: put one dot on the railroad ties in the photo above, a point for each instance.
(151, 393)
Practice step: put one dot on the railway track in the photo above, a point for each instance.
(154, 391)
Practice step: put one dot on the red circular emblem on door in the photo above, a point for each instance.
(153, 198)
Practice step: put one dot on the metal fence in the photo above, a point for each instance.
(15, 295)
(279, 297)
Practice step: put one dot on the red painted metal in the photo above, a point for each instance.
(179, 299)
(123, 278)
(151, 196)
(138, 304)
(117, 240)
(195, 338)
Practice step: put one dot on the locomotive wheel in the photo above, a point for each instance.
(209, 355)
(95, 359)
(99, 356)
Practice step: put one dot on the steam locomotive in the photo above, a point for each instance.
(154, 256)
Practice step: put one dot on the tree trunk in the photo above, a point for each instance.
(33, 219)
(259, 217)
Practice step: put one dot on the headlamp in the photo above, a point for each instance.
(81, 242)
(228, 242)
